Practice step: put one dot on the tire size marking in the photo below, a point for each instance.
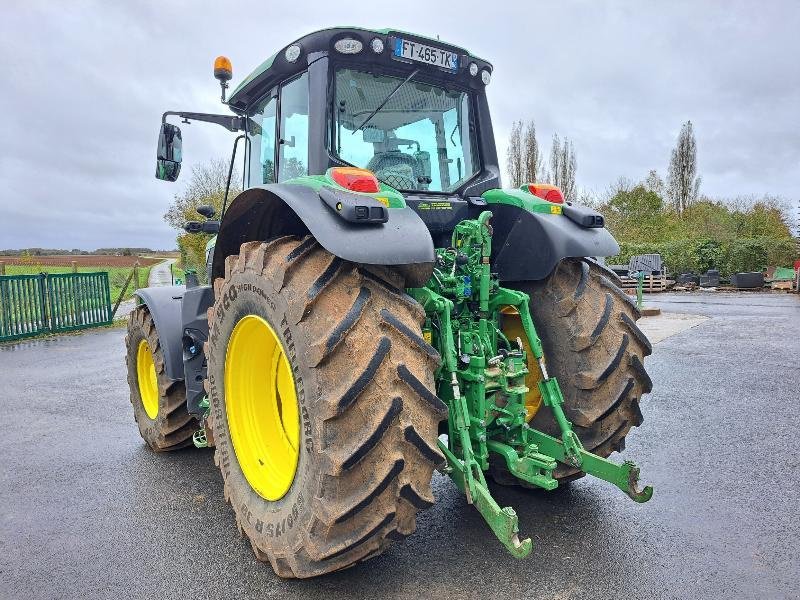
(288, 519)
(308, 440)
(279, 528)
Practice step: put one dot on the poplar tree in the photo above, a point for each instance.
(683, 183)
(533, 160)
(514, 161)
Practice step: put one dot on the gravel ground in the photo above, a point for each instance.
(87, 511)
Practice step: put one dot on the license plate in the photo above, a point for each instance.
(426, 54)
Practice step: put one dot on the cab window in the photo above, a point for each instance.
(293, 137)
(261, 129)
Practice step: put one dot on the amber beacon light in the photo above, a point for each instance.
(223, 71)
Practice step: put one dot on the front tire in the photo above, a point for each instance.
(159, 404)
(368, 418)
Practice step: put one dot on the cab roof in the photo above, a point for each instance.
(276, 68)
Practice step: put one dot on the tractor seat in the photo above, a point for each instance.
(396, 169)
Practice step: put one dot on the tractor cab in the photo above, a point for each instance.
(409, 109)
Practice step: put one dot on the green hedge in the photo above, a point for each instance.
(736, 256)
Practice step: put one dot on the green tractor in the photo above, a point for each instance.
(379, 307)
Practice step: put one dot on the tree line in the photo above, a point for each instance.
(671, 217)
(525, 160)
(692, 232)
(525, 164)
(736, 235)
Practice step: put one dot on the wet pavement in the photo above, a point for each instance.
(87, 511)
(161, 274)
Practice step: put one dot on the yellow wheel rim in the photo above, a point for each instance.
(261, 403)
(147, 378)
(512, 329)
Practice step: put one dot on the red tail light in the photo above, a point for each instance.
(548, 192)
(356, 180)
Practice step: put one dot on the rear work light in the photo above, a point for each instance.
(546, 191)
(356, 180)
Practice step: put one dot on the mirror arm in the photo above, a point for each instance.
(229, 122)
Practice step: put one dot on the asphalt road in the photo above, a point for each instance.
(87, 511)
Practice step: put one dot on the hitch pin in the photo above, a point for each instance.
(540, 360)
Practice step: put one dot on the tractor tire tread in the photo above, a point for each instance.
(173, 427)
(375, 376)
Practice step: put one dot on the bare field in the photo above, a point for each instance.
(81, 260)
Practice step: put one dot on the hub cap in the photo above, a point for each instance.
(147, 379)
(261, 403)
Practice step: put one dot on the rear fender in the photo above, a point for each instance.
(273, 210)
(528, 245)
(164, 304)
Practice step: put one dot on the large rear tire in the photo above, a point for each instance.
(594, 348)
(368, 418)
(159, 404)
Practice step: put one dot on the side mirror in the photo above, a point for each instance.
(207, 211)
(169, 153)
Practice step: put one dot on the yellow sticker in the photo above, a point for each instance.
(383, 200)
(427, 335)
(555, 210)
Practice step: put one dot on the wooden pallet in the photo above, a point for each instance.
(650, 285)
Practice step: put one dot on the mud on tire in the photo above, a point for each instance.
(173, 426)
(368, 413)
(594, 348)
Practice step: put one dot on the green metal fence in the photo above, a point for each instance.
(34, 304)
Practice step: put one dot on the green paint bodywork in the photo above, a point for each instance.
(521, 199)
(386, 194)
(482, 380)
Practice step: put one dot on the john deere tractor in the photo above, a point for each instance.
(379, 307)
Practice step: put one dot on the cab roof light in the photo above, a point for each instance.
(377, 45)
(356, 180)
(545, 191)
(348, 46)
(292, 53)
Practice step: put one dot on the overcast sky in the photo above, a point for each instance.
(86, 82)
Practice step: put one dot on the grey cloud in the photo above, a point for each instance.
(87, 82)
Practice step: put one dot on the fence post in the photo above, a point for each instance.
(47, 310)
(5, 319)
(121, 295)
(2, 267)
(136, 274)
(74, 266)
